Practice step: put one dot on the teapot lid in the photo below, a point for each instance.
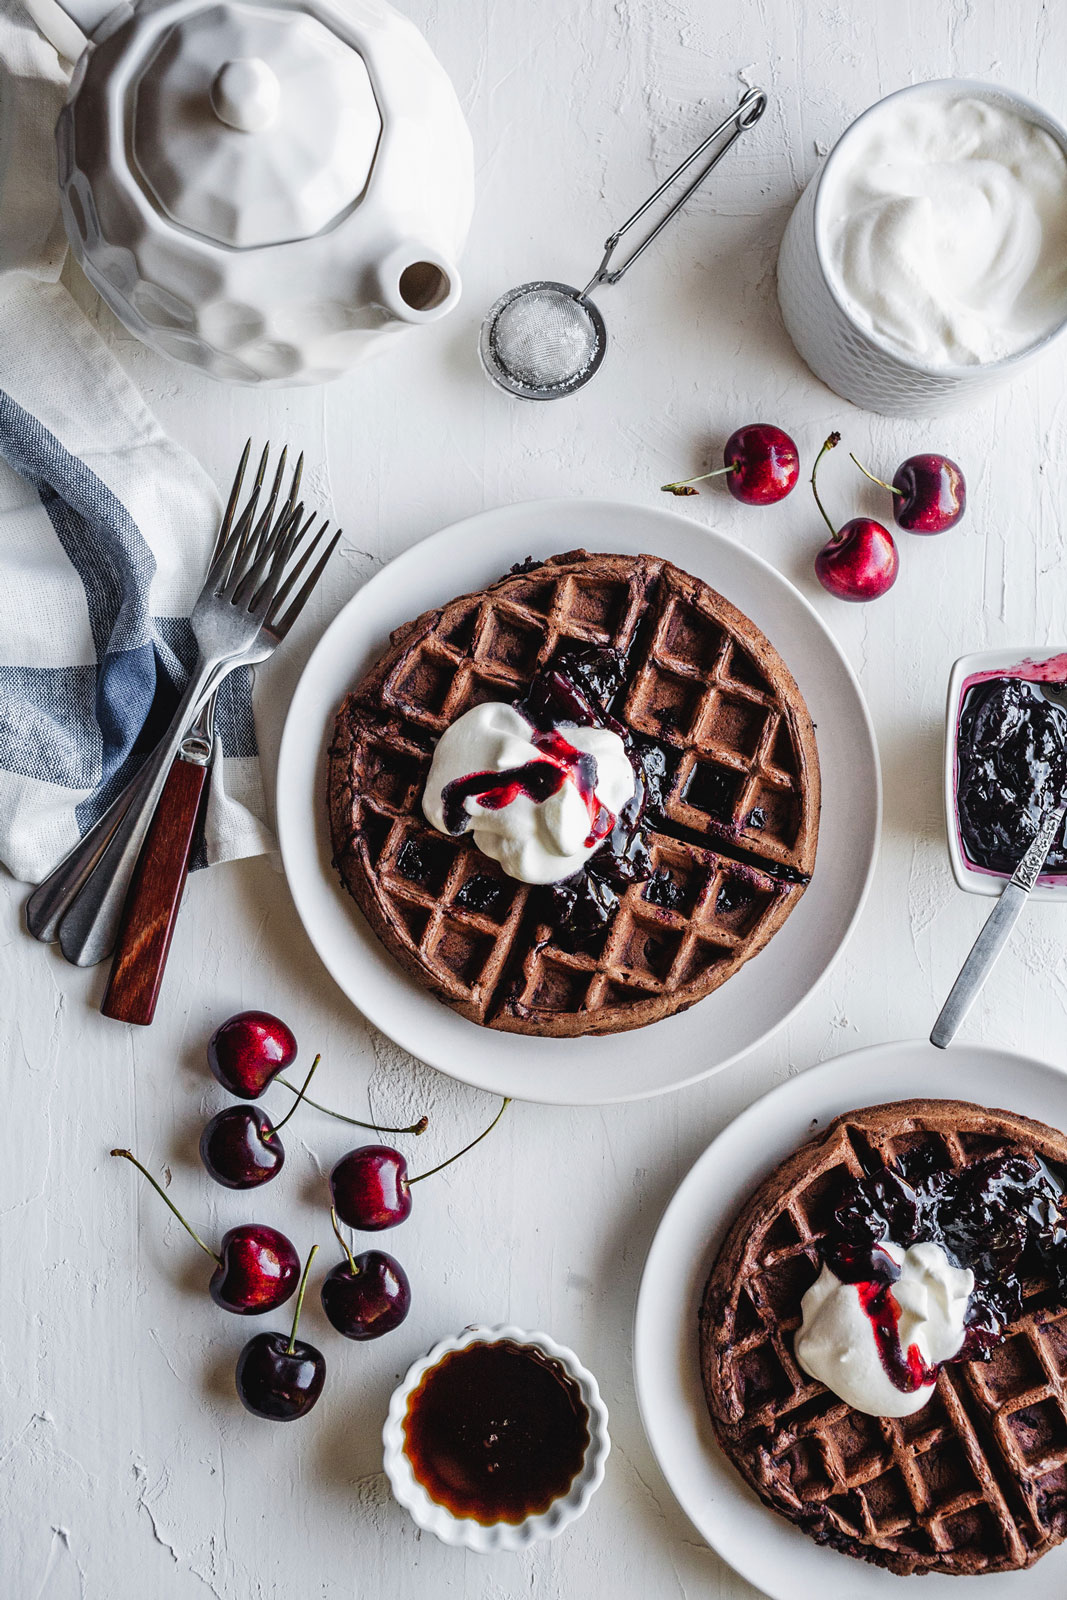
(253, 125)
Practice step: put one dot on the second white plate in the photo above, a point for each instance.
(764, 993)
(766, 1549)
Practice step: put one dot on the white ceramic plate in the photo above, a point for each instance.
(762, 1546)
(679, 1049)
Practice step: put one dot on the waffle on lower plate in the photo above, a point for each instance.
(739, 827)
(974, 1482)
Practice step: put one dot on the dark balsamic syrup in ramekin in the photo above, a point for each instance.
(496, 1432)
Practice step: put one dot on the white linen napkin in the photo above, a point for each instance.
(106, 529)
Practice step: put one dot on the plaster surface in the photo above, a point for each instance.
(130, 1471)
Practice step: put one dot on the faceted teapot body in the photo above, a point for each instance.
(267, 191)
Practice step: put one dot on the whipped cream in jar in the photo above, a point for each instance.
(927, 261)
(945, 225)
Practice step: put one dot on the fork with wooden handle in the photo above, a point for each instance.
(253, 593)
(151, 910)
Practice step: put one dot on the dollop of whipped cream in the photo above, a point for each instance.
(865, 1340)
(945, 220)
(557, 798)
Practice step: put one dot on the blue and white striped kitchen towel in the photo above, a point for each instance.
(106, 529)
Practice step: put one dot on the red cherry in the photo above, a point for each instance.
(280, 1378)
(248, 1050)
(761, 465)
(370, 1188)
(931, 494)
(860, 562)
(257, 1267)
(369, 1298)
(240, 1148)
(367, 1295)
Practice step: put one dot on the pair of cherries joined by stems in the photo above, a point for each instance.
(860, 560)
(257, 1267)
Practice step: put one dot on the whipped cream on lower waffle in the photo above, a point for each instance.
(878, 1344)
(539, 801)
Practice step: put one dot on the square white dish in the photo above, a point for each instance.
(1010, 663)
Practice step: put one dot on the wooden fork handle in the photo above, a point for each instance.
(155, 897)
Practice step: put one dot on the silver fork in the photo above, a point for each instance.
(255, 589)
(55, 894)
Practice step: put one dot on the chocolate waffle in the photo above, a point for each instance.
(732, 840)
(974, 1482)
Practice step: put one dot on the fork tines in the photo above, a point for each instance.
(260, 560)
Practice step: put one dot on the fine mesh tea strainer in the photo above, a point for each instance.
(544, 339)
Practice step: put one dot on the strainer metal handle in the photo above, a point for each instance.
(746, 114)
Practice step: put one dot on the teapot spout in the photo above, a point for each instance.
(417, 284)
(69, 25)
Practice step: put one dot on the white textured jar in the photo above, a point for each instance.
(853, 360)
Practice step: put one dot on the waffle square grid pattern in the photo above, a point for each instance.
(743, 796)
(976, 1481)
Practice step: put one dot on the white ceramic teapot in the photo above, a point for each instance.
(262, 188)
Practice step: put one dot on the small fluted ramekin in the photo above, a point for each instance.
(486, 1537)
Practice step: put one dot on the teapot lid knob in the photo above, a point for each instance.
(246, 94)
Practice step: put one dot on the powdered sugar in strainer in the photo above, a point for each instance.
(543, 340)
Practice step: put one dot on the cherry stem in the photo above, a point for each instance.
(879, 481)
(375, 1127)
(484, 1134)
(343, 1242)
(683, 483)
(278, 1126)
(300, 1299)
(834, 439)
(128, 1156)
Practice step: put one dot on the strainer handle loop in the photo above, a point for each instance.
(745, 115)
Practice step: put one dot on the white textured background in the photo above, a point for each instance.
(129, 1470)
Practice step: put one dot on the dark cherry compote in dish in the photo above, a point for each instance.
(496, 1432)
(1011, 765)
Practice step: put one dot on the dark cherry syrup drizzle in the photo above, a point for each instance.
(1004, 1217)
(578, 688)
(905, 1369)
(537, 780)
